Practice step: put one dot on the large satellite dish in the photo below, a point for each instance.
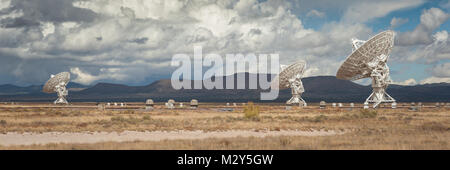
(57, 84)
(369, 59)
(290, 77)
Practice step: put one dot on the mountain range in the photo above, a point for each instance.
(327, 88)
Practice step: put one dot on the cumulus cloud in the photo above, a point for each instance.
(315, 13)
(362, 11)
(408, 82)
(35, 11)
(434, 52)
(47, 28)
(430, 20)
(424, 44)
(441, 70)
(4, 4)
(83, 77)
(395, 22)
(433, 79)
(133, 41)
(138, 38)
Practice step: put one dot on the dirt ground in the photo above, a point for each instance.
(383, 128)
(11, 139)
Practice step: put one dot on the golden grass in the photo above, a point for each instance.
(370, 129)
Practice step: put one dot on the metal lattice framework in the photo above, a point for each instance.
(369, 59)
(290, 77)
(57, 83)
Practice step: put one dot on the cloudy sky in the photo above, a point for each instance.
(133, 41)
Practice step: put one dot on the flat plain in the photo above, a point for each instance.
(218, 126)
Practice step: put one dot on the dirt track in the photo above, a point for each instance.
(94, 137)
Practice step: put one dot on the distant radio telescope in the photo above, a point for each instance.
(369, 59)
(57, 83)
(290, 77)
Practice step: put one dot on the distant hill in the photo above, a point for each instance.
(9, 89)
(327, 88)
(108, 88)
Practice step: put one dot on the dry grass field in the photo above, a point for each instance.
(383, 128)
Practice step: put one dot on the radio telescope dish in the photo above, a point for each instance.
(290, 77)
(369, 59)
(57, 84)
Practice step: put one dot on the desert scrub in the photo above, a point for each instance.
(383, 118)
(146, 120)
(319, 118)
(146, 117)
(434, 126)
(118, 119)
(366, 113)
(285, 141)
(129, 120)
(53, 112)
(251, 111)
(128, 112)
(2, 122)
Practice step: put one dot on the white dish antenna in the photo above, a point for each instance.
(290, 77)
(369, 59)
(57, 84)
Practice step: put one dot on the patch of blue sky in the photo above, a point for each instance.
(413, 16)
(445, 26)
(443, 61)
(384, 23)
(404, 71)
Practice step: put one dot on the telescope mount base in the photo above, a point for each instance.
(378, 96)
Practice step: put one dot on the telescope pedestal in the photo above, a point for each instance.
(378, 96)
(296, 91)
(62, 93)
(296, 99)
(61, 100)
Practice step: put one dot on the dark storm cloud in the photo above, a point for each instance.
(128, 12)
(17, 37)
(23, 72)
(37, 71)
(22, 22)
(142, 40)
(132, 41)
(56, 11)
(18, 22)
(255, 32)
